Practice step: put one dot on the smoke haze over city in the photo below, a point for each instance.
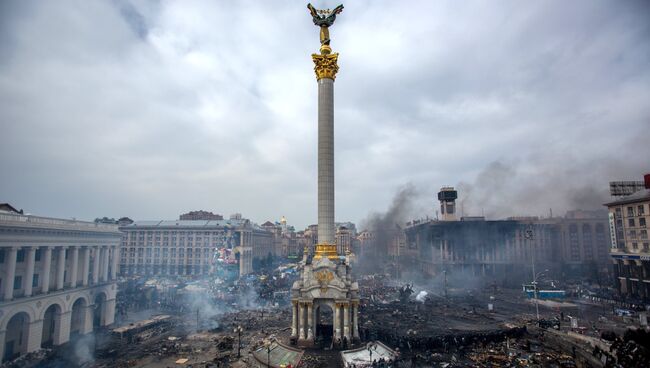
(150, 109)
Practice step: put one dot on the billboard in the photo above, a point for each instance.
(625, 188)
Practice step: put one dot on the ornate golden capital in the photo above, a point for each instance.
(326, 250)
(326, 65)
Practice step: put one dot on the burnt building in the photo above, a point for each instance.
(572, 246)
(503, 250)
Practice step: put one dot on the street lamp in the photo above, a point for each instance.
(238, 330)
(267, 344)
(369, 347)
(535, 278)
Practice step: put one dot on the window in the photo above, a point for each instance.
(630, 222)
(643, 234)
(640, 210)
(20, 256)
(35, 280)
(18, 282)
(635, 246)
(631, 234)
(619, 212)
(37, 255)
(642, 222)
(646, 247)
(2, 256)
(630, 211)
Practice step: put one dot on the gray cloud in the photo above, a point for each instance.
(149, 109)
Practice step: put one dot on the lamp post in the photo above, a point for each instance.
(267, 344)
(535, 278)
(238, 331)
(528, 236)
(369, 347)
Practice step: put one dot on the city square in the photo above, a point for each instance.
(184, 188)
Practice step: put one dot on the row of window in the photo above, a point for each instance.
(646, 246)
(632, 223)
(20, 255)
(151, 232)
(631, 211)
(642, 234)
(164, 262)
(181, 243)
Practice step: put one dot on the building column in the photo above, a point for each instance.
(355, 320)
(74, 268)
(85, 267)
(294, 321)
(310, 321)
(337, 321)
(29, 272)
(87, 325)
(346, 321)
(301, 321)
(61, 328)
(3, 334)
(60, 268)
(10, 261)
(114, 252)
(47, 265)
(34, 336)
(109, 312)
(106, 263)
(96, 263)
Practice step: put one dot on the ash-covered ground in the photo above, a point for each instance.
(214, 323)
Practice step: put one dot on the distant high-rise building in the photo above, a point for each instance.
(200, 215)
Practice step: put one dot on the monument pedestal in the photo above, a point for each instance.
(325, 285)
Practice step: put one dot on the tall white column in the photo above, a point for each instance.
(116, 264)
(10, 261)
(294, 322)
(301, 321)
(337, 321)
(74, 268)
(346, 321)
(60, 268)
(105, 265)
(355, 321)
(326, 161)
(85, 268)
(310, 321)
(29, 272)
(96, 263)
(47, 268)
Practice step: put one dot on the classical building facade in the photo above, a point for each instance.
(629, 217)
(57, 280)
(190, 247)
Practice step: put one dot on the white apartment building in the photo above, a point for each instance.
(57, 280)
(189, 247)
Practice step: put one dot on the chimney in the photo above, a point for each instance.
(646, 178)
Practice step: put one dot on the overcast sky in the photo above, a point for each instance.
(148, 109)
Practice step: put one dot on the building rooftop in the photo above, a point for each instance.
(163, 224)
(24, 220)
(641, 195)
